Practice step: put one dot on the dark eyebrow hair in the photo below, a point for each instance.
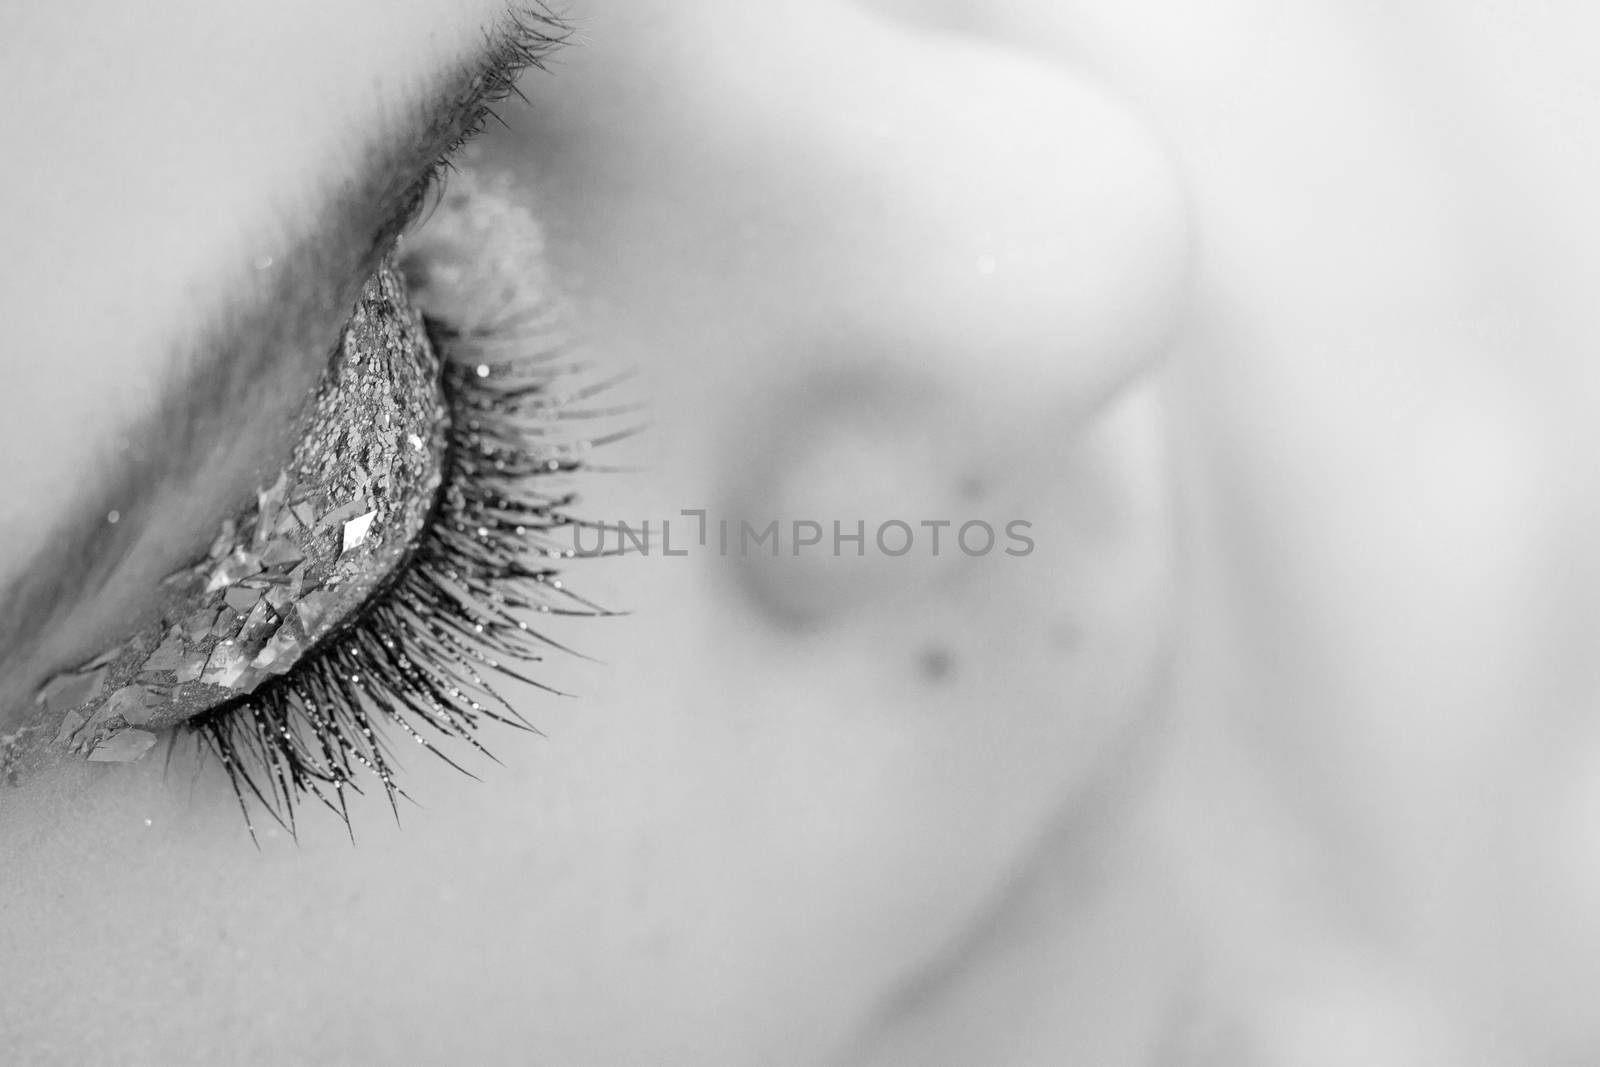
(267, 327)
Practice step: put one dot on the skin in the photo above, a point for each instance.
(1296, 815)
(764, 814)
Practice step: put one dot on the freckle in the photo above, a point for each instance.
(936, 664)
(973, 488)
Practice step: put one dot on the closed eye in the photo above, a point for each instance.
(384, 572)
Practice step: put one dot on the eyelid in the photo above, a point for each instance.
(320, 540)
(257, 332)
(462, 609)
(451, 606)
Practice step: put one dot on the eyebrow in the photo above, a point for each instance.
(260, 327)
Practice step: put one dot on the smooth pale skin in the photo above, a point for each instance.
(1345, 823)
(746, 832)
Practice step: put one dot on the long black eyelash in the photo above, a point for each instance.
(418, 655)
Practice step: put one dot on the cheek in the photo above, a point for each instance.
(886, 297)
(809, 805)
(793, 783)
(902, 198)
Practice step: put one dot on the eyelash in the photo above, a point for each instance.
(531, 35)
(416, 655)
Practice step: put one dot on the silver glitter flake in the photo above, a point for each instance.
(313, 610)
(355, 531)
(133, 703)
(281, 576)
(168, 654)
(241, 599)
(258, 625)
(237, 566)
(227, 623)
(281, 651)
(278, 599)
(72, 689)
(124, 746)
(341, 514)
(198, 624)
(192, 666)
(229, 667)
(281, 554)
(297, 579)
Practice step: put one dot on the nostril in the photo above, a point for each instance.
(869, 476)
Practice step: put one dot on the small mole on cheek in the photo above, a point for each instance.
(936, 664)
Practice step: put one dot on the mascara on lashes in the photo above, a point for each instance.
(524, 37)
(413, 580)
(279, 578)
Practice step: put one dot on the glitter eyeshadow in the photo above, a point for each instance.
(398, 563)
(319, 541)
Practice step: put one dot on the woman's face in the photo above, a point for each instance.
(867, 271)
